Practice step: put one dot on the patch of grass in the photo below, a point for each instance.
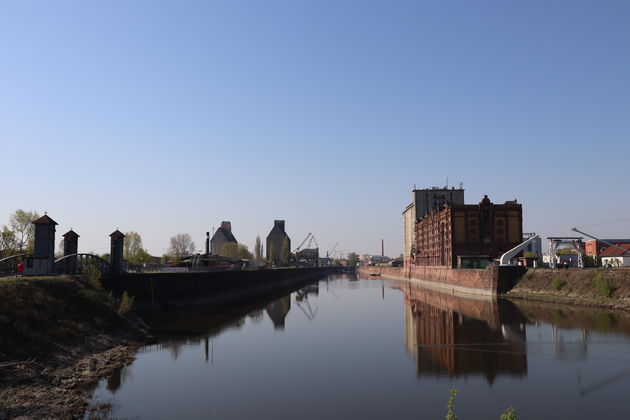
(38, 314)
(558, 283)
(92, 276)
(126, 304)
(603, 286)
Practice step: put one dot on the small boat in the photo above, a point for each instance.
(375, 274)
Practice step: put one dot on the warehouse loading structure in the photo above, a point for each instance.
(424, 202)
(440, 230)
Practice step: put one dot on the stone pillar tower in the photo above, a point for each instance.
(116, 252)
(44, 255)
(70, 247)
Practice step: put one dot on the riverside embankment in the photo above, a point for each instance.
(488, 281)
(58, 337)
(605, 288)
(596, 287)
(189, 290)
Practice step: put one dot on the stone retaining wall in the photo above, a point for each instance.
(488, 281)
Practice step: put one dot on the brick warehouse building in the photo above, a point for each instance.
(477, 231)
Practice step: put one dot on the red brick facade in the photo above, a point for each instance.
(594, 248)
(483, 229)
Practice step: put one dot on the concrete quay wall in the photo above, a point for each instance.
(187, 289)
(488, 281)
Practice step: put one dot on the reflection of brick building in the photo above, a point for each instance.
(483, 229)
(446, 337)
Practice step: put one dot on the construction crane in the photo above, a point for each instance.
(310, 242)
(330, 253)
(625, 251)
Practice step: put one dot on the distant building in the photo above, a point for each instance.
(468, 230)
(424, 202)
(308, 257)
(222, 236)
(117, 240)
(594, 248)
(368, 259)
(616, 257)
(70, 247)
(534, 248)
(42, 260)
(562, 260)
(278, 244)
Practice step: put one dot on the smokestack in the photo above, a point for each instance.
(382, 247)
(207, 243)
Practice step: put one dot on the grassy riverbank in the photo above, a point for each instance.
(58, 336)
(608, 288)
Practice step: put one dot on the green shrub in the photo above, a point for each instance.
(450, 405)
(510, 414)
(558, 283)
(126, 304)
(603, 287)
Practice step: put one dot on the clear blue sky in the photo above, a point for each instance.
(166, 117)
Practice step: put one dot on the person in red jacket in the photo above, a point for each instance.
(20, 268)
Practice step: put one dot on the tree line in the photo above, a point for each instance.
(18, 236)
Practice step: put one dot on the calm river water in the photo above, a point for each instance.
(344, 348)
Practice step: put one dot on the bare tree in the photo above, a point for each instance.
(236, 251)
(133, 250)
(21, 224)
(181, 245)
(7, 242)
(243, 252)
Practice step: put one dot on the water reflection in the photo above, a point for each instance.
(278, 310)
(572, 326)
(396, 346)
(456, 336)
(177, 330)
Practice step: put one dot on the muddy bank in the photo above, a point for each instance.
(603, 288)
(58, 337)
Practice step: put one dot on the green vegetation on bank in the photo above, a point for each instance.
(594, 287)
(40, 314)
(509, 414)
